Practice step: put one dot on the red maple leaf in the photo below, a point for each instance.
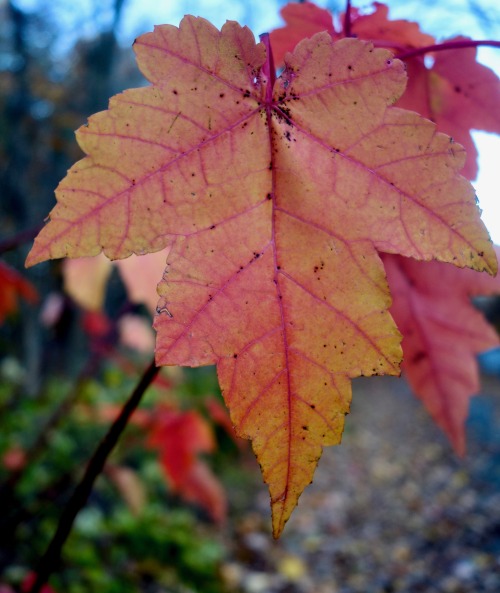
(12, 287)
(442, 334)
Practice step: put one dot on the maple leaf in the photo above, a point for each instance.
(274, 196)
(301, 20)
(180, 437)
(376, 26)
(304, 19)
(455, 92)
(13, 286)
(442, 334)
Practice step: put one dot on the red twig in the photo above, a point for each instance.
(462, 44)
(347, 19)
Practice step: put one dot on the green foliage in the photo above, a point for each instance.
(112, 549)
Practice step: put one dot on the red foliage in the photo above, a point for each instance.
(12, 287)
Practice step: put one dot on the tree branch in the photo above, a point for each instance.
(49, 561)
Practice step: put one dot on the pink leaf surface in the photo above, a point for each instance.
(442, 334)
(301, 20)
(459, 94)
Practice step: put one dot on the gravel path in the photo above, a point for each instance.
(391, 510)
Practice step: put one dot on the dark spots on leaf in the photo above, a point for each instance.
(237, 102)
(349, 67)
(270, 166)
(305, 428)
(244, 125)
(222, 95)
(256, 254)
(389, 62)
(175, 92)
(457, 88)
(325, 345)
(212, 227)
(312, 406)
(278, 267)
(246, 94)
(235, 356)
(269, 197)
(133, 181)
(210, 297)
(193, 174)
(480, 253)
(288, 136)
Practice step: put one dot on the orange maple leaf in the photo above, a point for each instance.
(274, 196)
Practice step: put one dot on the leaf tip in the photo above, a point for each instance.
(34, 257)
